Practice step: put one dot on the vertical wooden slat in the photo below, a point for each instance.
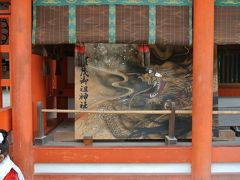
(224, 65)
(227, 67)
(238, 68)
(232, 67)
(220, 67)
(235, 68)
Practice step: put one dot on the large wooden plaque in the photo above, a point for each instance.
(117, 81)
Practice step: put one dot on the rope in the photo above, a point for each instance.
(134, 112)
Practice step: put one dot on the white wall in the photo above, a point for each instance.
(129, 168)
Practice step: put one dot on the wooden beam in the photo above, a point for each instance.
(229, 90)
(21, 18)
(5, 48)
(5, 82)
(220, 154)
(203, 53)
(226, 154)
(111, 154)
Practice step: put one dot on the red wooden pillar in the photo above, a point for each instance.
(22, 90)
(203, 52)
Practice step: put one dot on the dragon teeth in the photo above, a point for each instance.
(157, 74)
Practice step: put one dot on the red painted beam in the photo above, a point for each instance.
(5, 82)
(21, 47)
(129, 154)
(229, 90)
(203, 53)
(226, 154)
(111, 154)
(4, 12)
(5, 48)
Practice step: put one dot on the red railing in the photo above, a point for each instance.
(5, 112)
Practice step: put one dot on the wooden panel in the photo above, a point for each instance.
(132, 24)
(52, 25)
(172, 25)
(117, 81)
(92, 23)
(227, 25)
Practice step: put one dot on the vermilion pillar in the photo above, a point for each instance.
(203, 50)
(21, 78)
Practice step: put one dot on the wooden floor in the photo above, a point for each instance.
(63, 135)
